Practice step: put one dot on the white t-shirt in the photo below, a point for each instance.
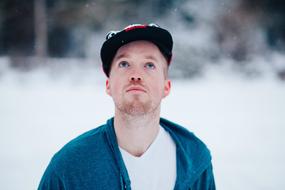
(156, 168)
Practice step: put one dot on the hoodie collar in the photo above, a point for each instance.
(113, 143)
(188, 168)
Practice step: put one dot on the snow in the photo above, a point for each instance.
(241, 120)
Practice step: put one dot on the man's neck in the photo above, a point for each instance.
(136, 133)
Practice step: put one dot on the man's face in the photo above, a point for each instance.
(137, 81)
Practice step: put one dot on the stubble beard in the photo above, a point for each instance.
(136, 106)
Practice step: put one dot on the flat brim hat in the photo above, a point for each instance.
(151, 32)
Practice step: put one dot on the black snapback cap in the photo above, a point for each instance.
(150, 32)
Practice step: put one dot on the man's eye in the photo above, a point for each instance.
(150, 66)
(124, 64)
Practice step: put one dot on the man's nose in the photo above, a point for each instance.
(136, 76)
(135, 79)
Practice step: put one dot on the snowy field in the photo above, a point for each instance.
(242, 121)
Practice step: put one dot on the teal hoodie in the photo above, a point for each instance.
(93, 161)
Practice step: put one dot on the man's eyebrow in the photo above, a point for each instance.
(121, 56)
(151, 57)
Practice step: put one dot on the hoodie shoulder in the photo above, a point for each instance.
(84, 147)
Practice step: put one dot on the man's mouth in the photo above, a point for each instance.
(135, 89)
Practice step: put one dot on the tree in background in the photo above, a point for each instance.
(45, 27)
(41, 34)
(17, 31)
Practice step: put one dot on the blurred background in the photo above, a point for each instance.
(228, 75)
(205, 32)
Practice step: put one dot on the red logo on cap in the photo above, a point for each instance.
(134, 26)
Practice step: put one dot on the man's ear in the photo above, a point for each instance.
(167, 88)
(108, 91)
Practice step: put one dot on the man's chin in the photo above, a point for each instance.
(137, 108)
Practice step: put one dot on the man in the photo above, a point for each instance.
(136, 149)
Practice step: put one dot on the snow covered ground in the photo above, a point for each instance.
(242, 121)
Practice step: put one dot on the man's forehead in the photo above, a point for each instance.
(129, 55)
(147, 49)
